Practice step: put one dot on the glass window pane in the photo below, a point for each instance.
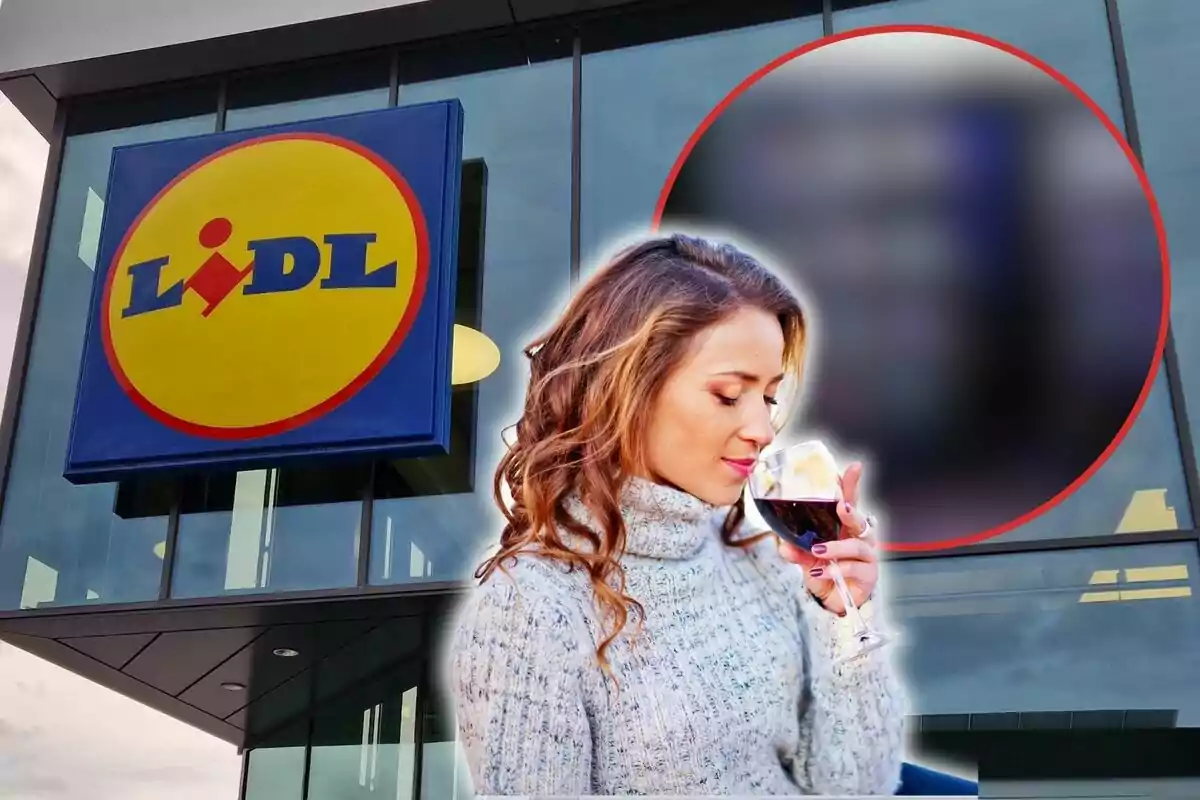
(430, 516)
(269, 530)
(663, 92)
(444, 769)
(1069, 35)
(1111, 628)
(63, 544)
(1141, 487)
(276, 768)
(367, 745)
(313, 92)
(1160, 45)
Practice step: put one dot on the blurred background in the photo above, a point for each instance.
(978, 255)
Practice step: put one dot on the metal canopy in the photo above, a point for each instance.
(188, 660)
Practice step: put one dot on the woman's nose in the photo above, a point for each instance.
(759, 429)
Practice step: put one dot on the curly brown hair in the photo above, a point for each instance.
(594, 379)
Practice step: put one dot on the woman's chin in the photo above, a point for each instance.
(721, 495)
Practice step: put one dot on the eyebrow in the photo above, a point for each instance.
(749, 377)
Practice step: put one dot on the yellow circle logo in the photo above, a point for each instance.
(265, 286)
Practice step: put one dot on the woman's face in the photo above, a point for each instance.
(713, 416)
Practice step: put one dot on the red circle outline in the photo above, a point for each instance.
(420, 279)
(1160, 230)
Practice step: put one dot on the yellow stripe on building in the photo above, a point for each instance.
(1148, 511)
(1175, 572)
(1164, 593)
(1099, 597)
(1110, 577)
(1157, 594)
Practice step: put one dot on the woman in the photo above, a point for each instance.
(630, 635)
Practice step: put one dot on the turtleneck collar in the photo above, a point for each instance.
(660, 521)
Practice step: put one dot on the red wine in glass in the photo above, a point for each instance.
(801, 522)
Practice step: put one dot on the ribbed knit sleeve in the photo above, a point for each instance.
(516, 665)
(852, 725)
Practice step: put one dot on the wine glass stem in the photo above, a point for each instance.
(860, 625)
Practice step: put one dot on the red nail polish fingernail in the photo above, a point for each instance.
(819, 549)
(816, 572)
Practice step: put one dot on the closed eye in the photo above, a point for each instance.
(732, 401)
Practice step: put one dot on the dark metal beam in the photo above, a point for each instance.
(394, 79)
(35, 102)
(576, 152)
(222, 104)
(366, 527)
(172, 542)
(244, 779)
(1071, 754)
(231, 612)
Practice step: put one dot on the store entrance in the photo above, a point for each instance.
(392, 739)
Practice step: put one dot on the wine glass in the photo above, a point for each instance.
(797, 490)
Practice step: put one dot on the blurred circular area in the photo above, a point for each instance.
(980, 254)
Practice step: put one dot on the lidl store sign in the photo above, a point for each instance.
(273, 294)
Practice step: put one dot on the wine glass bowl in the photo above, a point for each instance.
(797, 490)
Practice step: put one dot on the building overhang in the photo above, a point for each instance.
(54, 49)
(188, 659)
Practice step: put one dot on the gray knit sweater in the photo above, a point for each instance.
(728, 690)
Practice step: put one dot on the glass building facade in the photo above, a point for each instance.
(570, 132)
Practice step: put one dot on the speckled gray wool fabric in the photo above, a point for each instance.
(729, 690)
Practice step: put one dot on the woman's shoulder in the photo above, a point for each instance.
(535, 574)
(532, 598)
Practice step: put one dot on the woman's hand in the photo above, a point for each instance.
(854, 551)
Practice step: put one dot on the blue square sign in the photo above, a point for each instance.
(274, 294)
